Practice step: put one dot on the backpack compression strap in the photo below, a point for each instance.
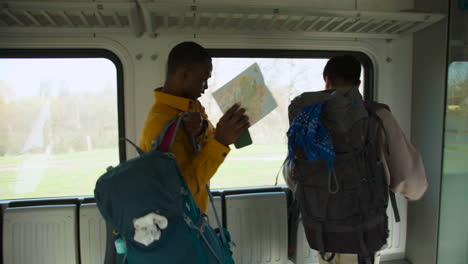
(139, 150)
(218, 222)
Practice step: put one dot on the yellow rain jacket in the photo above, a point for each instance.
(197, 170)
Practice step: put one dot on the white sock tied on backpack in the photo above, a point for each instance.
(148, 228)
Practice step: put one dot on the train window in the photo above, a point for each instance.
(453, 237)
(286, 77)
(59, 124)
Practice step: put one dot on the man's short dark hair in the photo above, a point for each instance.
(186, 53)
(343, 70)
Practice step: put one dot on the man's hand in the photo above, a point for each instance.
(231, 125)
(193, 123)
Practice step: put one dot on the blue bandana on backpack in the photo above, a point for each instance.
(307, 132)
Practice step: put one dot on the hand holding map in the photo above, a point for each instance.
(231, 126)
(249, 90)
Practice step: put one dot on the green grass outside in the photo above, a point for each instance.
(455, 159)
(251, 166)
(457, 147)
(75, 174)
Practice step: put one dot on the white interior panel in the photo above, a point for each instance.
(40, 235)
(211, 215)
(259, 227)
(92, 235)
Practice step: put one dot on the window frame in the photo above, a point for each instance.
(364, 59)
(368, 83)
(368, 87)
(443, 171)
(62, 54)
(82, 54)
(72, 54)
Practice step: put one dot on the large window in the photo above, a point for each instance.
(453, 233)
(453, 217)
(286, 76)
(59, 124)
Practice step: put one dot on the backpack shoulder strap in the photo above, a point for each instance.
(372, 107)
(164, 141)
(394, 206)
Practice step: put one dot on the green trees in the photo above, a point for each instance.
(72, 120)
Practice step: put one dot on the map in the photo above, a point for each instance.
(249, 89)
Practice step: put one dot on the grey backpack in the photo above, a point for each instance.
(344, 211)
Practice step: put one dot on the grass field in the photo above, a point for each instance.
(255, 165)
(37, 175)
(455, 159)
(75, 174)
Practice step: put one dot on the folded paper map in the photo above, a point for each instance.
(249, 90)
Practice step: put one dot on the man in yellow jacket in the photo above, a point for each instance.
(188, 70)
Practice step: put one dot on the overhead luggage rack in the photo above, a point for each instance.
(303, 22)
(66, 17)
(165, 18)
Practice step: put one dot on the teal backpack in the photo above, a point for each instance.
(148, 203)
